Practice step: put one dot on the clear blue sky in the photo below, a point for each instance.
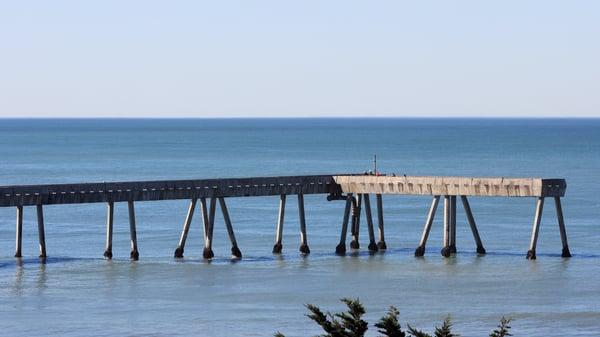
(299, 58)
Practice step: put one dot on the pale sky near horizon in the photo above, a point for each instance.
(299, 58)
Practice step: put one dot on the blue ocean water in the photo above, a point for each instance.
(77, 293)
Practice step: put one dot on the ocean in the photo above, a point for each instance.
(76, 292)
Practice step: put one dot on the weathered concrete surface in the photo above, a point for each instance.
(482, 187)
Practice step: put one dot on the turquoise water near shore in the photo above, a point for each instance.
(77, 293)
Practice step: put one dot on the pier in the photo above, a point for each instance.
(354, 189)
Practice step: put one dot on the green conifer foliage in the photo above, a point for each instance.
(445, 330)
(388, 324)
(503, 328)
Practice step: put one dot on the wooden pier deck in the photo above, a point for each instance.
(355, 189)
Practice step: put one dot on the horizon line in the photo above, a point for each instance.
(298, 117)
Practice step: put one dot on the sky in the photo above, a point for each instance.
(299, 58)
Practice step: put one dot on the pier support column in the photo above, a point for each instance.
(341, 247)
(561, 226)
(186, 227)
(381, 244)
(41, 231)
(453, 224)
(472, 224)
(278, 246)
(303, 239)
(204, 212)
(235, 250)
(19, 231)
(110, 211)
(536, 228)
(208, 253)
(134, 255)
(420, 251)
(447, 220)
(356, 210)
(372, 244)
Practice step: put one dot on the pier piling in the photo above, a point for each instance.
(356, 210)
(372, 244)
(208, 252)
(19, 231)
(186, 228)
(453, 224)
(447, 220)
(110, 207)
(536, 228)
(341, 247)
(41, 231)
(561, 225)
(302, 217)
(472, 224)
(420, 251)
(381, 244)
(278, 246)
(235, 250)
(134, 255)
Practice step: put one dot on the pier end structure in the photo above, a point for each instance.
(451, 188)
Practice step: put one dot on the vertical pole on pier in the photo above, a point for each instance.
(341, 247)
(420, 251)
(536, 228)
(186, 228)
(356, 209)
(303, 239)
(447, 216)
(19, 231)
(208, 253)
(110, 211)
(372, 243)
(41, 232)
(561, 226)
(278, 246)
(472, 224)
(381, 244)
(134, 255)
(453, 224)
(235, 250)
